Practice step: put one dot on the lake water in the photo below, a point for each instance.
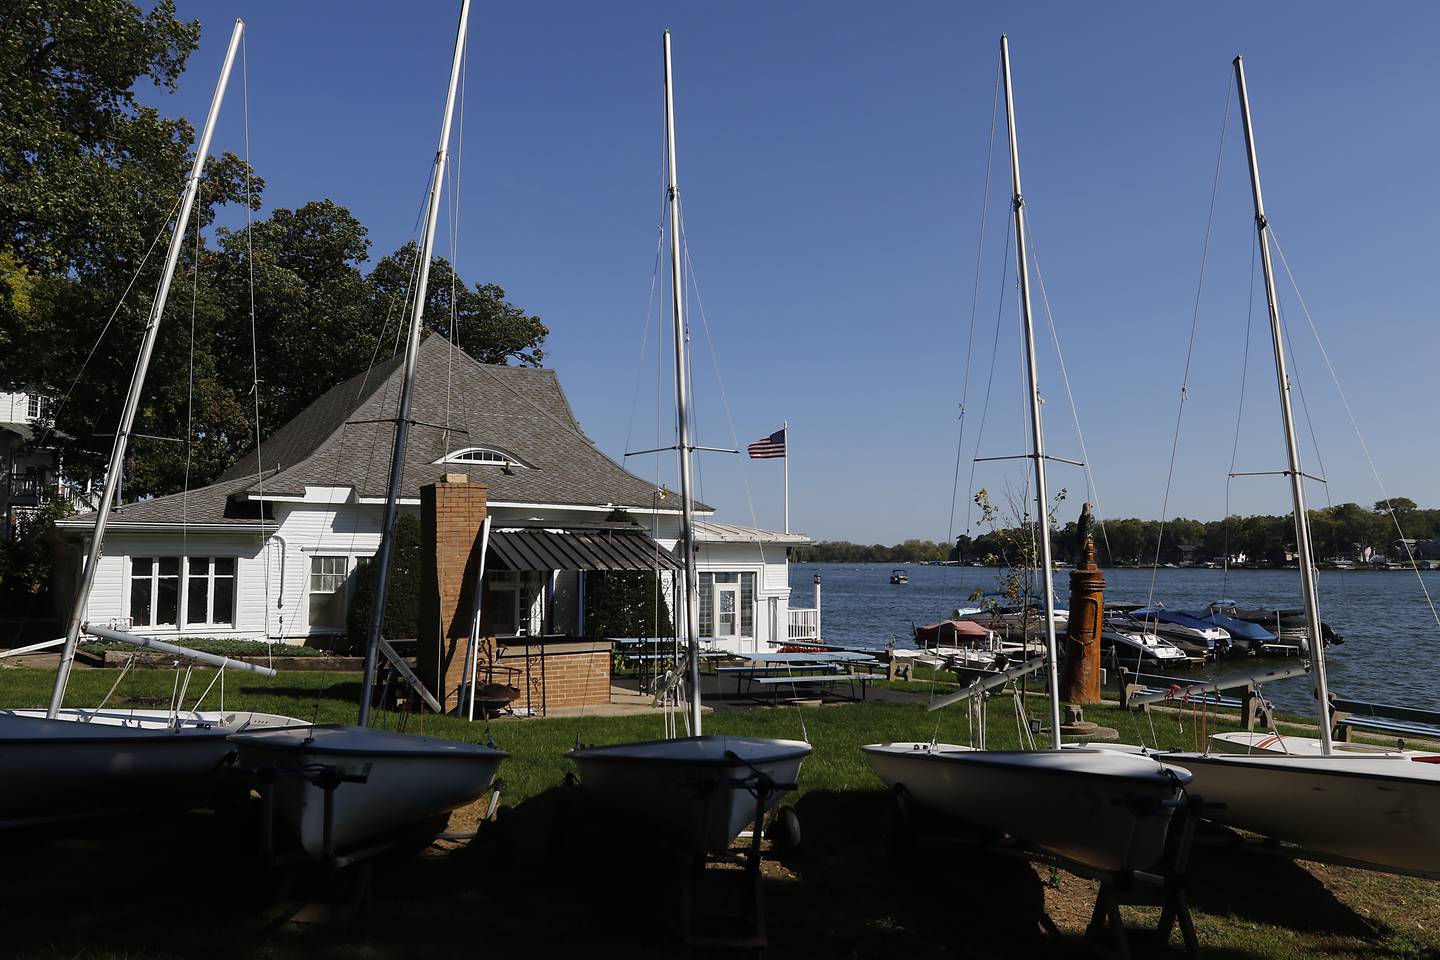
(1389, 653)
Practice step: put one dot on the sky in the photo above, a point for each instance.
(832, 165)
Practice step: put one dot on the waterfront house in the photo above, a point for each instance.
(271, 549)
(30, 472)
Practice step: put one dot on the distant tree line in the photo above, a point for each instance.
(1346, 531)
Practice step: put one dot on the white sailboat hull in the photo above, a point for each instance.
(409, 779)
(1380, 811)
(62, 769)
(1103, 809)
(1247, 742)
(689, 790)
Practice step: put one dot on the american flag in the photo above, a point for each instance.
(769, 448)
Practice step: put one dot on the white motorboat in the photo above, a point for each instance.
(1130, 642)
(383, 781)
(695, 793)
(698, 792)
(1105, 809)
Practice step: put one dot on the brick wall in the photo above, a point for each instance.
(576, 673)
(452, 514)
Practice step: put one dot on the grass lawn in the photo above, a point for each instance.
(184, 885)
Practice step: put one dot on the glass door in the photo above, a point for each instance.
(727, 610)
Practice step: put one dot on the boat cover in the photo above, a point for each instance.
(951, 633)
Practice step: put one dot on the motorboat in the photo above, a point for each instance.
(382, 781)
(1127, 641)
(696, 793)
(1288, 625)
(1195, 636)
(899, 576)
(1241, 631)
(1105, 809)
(954, 633)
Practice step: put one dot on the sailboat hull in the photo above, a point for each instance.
(695, 793)
(60, 769)
(1102, 809)
(1379, 811)
(408, 780)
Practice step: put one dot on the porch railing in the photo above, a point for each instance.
(804, 625)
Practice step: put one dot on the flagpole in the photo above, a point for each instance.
(786, 427)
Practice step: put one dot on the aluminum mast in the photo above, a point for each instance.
(682, 407)
(1037, 431)
(407, 389)
(1292, 449)
(137, 381)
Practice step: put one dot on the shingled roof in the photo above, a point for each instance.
(344, 439)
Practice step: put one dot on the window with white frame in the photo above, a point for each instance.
(504, 610)
(32, 406)
(327, 591)
(210, 591)
(155, 591)
(204, 592)
(492, 456)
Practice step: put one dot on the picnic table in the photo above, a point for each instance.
(822, 670)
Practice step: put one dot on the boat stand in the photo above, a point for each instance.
(337, 886)
(744, 925)
(1164, 886)
(748, 922)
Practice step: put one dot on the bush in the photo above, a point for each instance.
(403, 601)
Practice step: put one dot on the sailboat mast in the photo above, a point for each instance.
(407, 387)
(682, 407)
(1037, 432)
(1292, 448)
(115, 467)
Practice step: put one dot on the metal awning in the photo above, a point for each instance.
(630, 549)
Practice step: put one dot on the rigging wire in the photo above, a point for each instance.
(1354, 424)
(1239, 414)
(1190, 346)
(255, 349)
(974, 300)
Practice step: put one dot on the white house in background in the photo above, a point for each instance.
(270, 550)
(30, 473)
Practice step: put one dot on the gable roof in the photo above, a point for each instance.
(344, 439)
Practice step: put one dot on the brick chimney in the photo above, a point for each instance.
(452, 513)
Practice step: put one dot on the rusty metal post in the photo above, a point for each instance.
(1080, 683)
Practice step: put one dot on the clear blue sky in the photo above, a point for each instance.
(832, 164)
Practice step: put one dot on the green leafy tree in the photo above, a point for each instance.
(402, 602)
(625, 603)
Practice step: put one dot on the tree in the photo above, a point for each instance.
(402, 602)
(1401, 505)
(625, 603)
(86, 173)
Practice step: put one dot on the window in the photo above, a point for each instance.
(32, 406)
(493, 456)
(155, 591)
(327, 591)
(210, 591)
(206, 595)
(727, 605)
(501, 612)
